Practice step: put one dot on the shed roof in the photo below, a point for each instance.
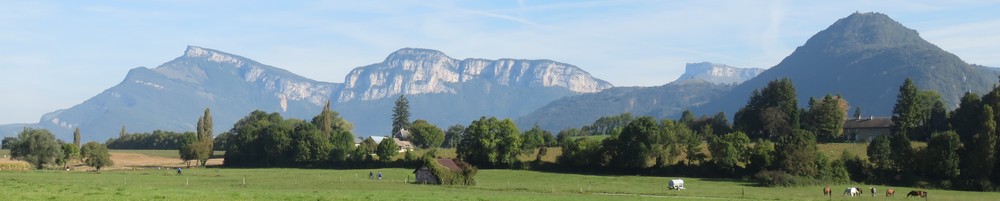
(449, 163)
(871, 122)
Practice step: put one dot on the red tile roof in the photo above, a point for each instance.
(449, 163)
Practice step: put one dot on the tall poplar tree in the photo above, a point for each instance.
(76, 138)
(338, 131)
(400, 115)
(204, 145)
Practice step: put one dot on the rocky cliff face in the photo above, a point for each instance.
(718, 73)
(441, 89)
(413, 71)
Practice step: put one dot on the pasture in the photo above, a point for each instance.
(322, 184)
(132, 180)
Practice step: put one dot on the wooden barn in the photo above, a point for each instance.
(424, 174)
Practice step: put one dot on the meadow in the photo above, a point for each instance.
(326, 184)
(353, 184)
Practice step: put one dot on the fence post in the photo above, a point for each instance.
(187, 181)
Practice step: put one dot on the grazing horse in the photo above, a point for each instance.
(827, 191)
(852, 191)
(922, 194)
(873, 191)
(890, 192)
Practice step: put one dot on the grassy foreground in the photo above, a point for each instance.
(321, 184)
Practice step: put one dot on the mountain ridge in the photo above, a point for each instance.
(172, 95)
(865, 57)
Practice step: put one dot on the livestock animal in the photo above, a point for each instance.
(852, 191)
(922, 194)
(873, 191)
(827, 191)
(890, 192)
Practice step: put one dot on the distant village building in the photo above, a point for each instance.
(404, 146)
(403, 134)
(425, 175)
(866, 129)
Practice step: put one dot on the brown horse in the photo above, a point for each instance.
(890, 192)
(922, 194)
(827, 190)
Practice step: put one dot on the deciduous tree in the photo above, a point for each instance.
(37, 147)
(426, 135)
(386, 149)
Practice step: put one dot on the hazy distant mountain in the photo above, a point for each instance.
(700, 83)
(447, 91)
(440, 89)
(718, 73)
(865, 57)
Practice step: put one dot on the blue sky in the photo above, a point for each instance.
(56, 54)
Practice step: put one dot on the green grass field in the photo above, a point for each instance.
(320, 184)
(327, 184)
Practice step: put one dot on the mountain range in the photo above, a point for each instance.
(440, 89)
(700, 83)
(864, 57)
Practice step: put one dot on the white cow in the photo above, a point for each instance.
(852, 191)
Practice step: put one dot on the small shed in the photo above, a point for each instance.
(425, 175)
(676, 184)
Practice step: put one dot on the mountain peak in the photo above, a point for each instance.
(864, 31)
(411, 53)
(213, 55)
(717, 73)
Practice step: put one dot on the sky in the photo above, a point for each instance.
(56, 54)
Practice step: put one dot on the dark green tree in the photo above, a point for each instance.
(980, 154)
(762, 156)
(99, 157)
(453, 136)
(826, 117)
(310, 145)
(902, 150)
(401, 115)
(965, 119)
(942, 156)
(387, 149)
(938, 121)
(534, 139)
(38, 147)
(730, 150)
(906, 113)
(770, 112)
(76, 138)
(490, 143)
(880, 152)
(338, 132)
(425, 135)
(797, 152)
(636, 143)
(687, 117)
(857, 112)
